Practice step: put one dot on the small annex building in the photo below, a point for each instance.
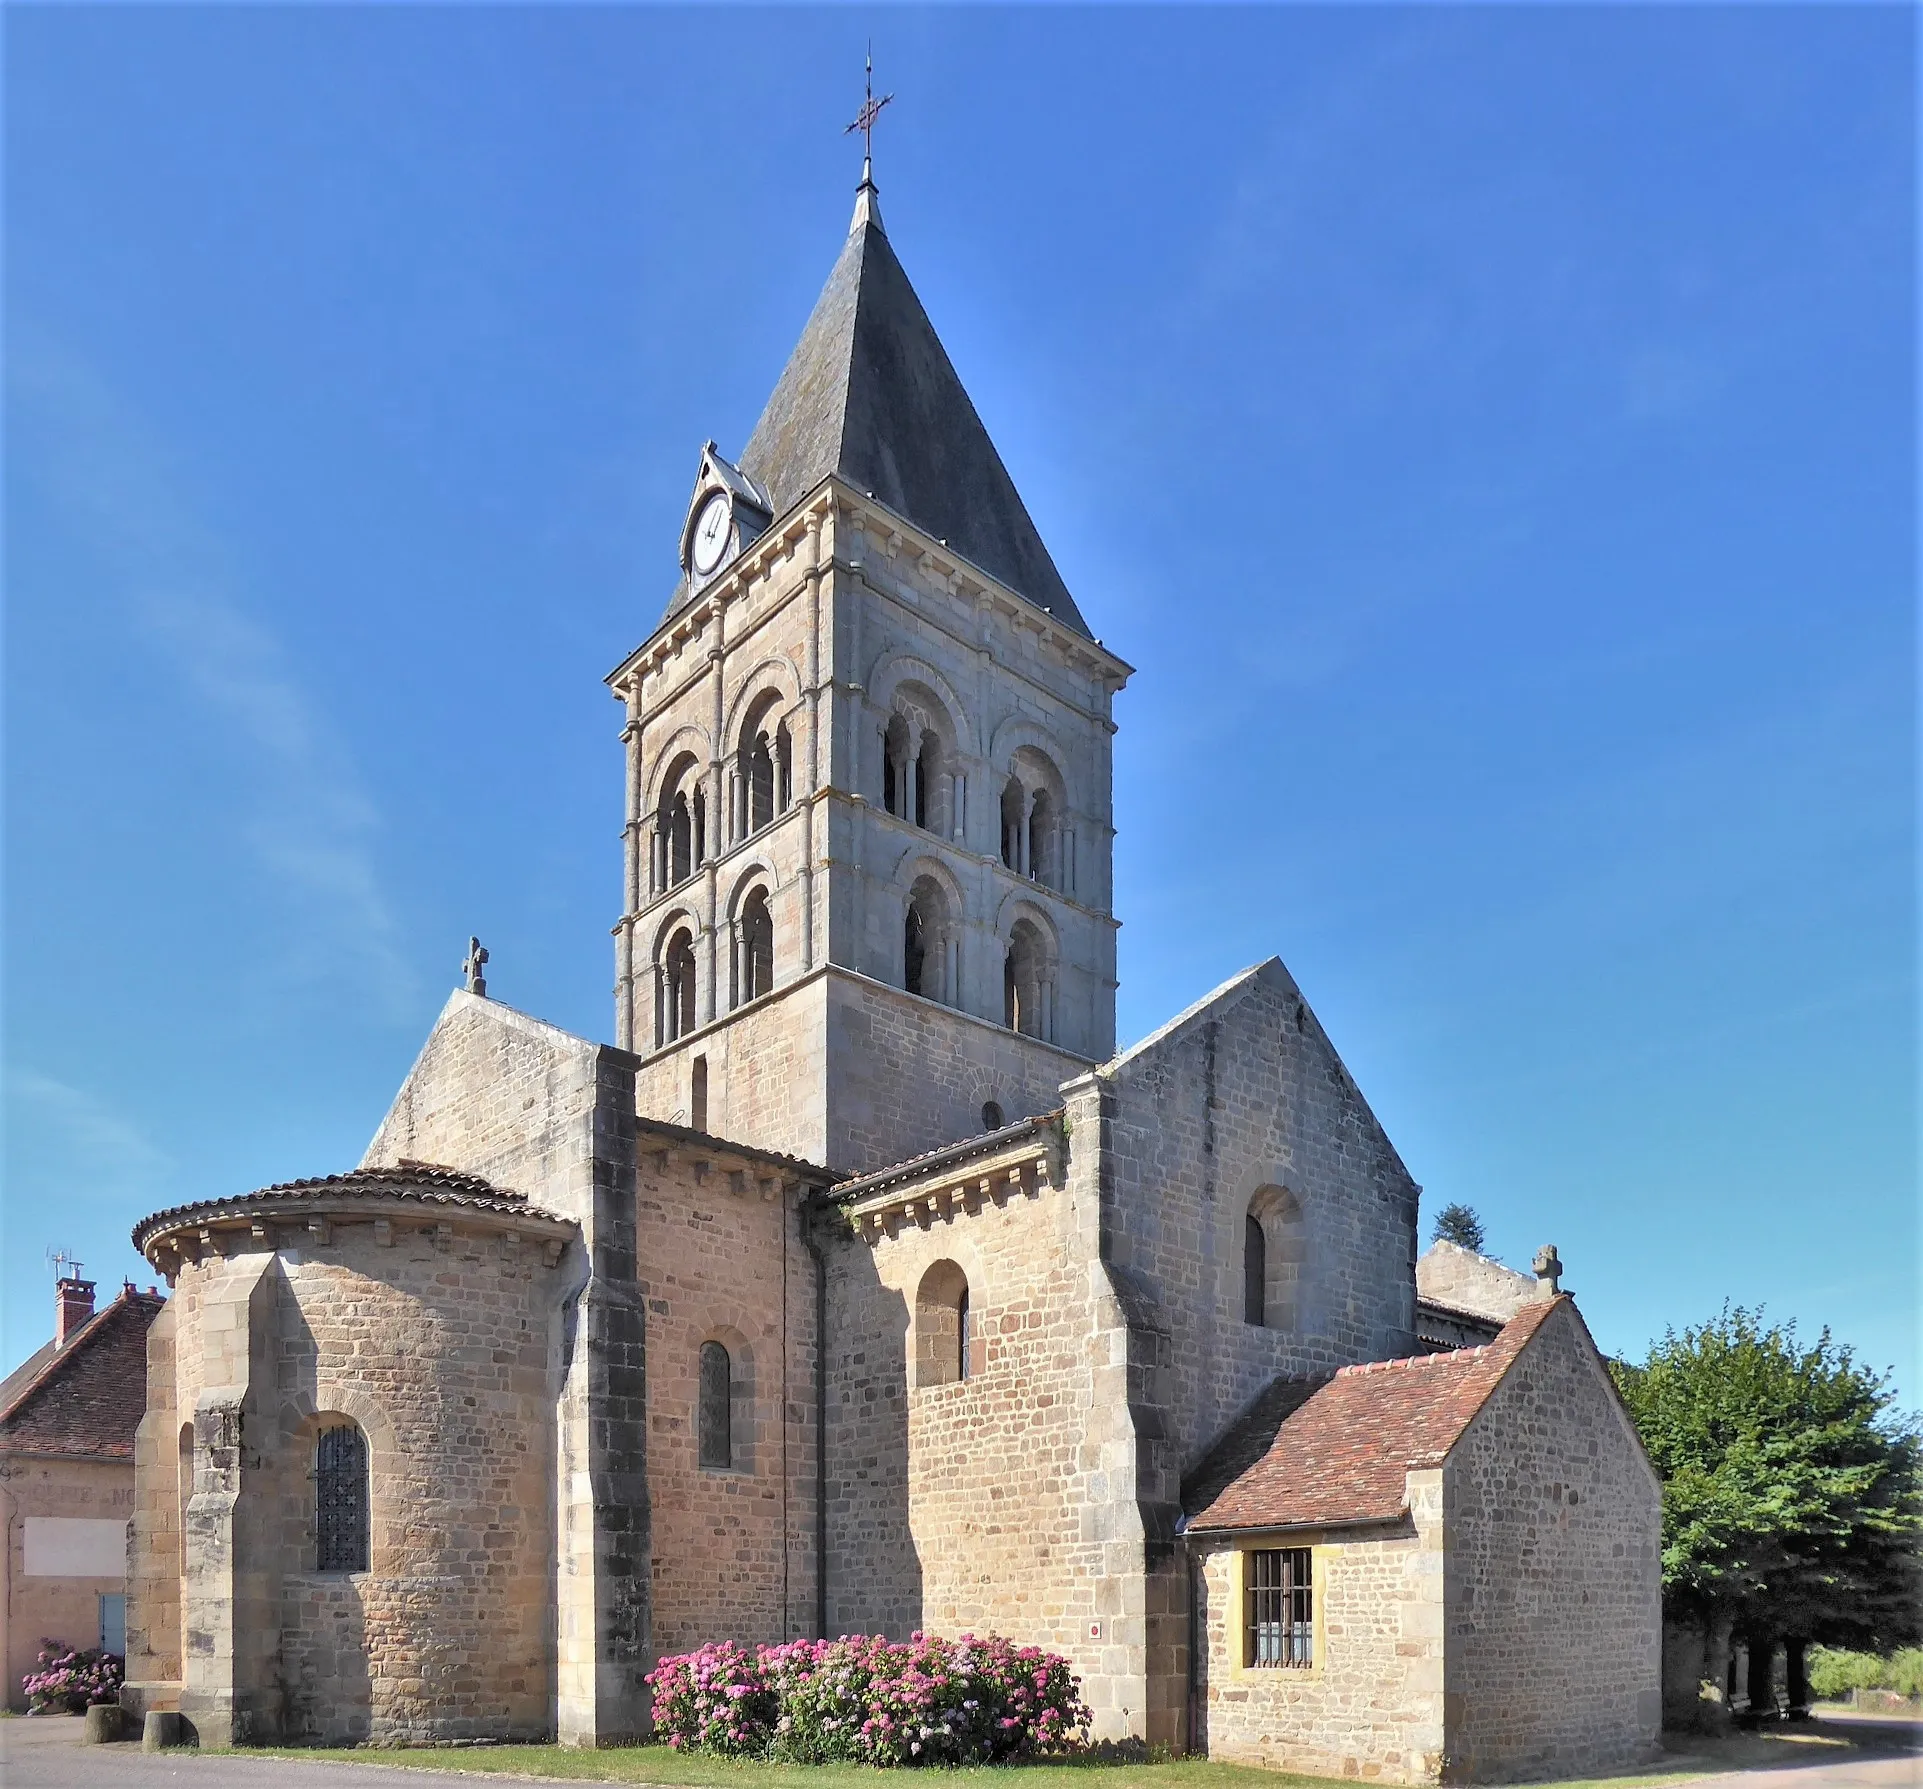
(861, 1284)
(68, 1416)
(1438, 1567)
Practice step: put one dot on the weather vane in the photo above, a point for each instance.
(870, 111)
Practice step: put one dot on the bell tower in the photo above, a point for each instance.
(868, 894)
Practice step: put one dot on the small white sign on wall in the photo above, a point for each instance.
(73, 1547)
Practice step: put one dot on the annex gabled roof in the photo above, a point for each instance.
(85, 1400)
(1340, 1453)
(869, 393)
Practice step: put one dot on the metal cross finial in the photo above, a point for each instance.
(865, 118)
(474, 967)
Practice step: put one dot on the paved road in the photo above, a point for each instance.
(46, 1753)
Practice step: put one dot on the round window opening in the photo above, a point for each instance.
(992, 1119)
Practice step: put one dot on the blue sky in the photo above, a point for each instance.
(1489, 431)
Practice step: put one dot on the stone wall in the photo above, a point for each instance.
(958, 1506)
(845, 623)
(538, 1111)
(1554, 1576)
(1016, 1499)
(154, 1540)
(45, 1607)
(723, 1259)
(435, 1342)
(1242, 1093)
(1465, 1281)
(847, 1071)
(1371, 1706)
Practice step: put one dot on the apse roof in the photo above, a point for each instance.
(869, 393)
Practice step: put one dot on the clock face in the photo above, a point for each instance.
(711, 532)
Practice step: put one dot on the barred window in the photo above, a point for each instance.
(341, 1500)
(716, 1440)
(1281, 1611)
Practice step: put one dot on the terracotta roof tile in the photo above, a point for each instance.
(1339, 1454)
(86, 1399)
(426, 1181)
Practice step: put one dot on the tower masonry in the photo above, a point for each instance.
(869, 894)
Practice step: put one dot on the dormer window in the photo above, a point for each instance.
(728, 511)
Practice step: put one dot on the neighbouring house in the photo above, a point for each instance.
(68, 1414)
(860, 1285)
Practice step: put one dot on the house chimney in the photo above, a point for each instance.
(72, 1306)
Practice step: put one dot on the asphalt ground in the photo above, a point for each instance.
(44, 1752)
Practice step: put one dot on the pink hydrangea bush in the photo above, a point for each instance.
(863, 1699)
(714, 1700)
(71, 1680)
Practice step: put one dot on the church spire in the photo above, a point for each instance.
(867, 199)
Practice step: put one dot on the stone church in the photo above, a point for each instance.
(859, 1285)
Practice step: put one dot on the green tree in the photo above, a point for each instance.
(1460, 1225)
(1791, 1500)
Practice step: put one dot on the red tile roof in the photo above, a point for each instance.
(1339, 1455)
(84, 1400)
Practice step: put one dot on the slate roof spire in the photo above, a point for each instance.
(869, 393)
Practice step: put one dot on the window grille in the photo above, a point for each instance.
(962, 1328)
(341, 1500)
(716, 1444)
(1281, 1612)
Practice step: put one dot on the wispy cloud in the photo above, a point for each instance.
(94, 1144)
(313, 823)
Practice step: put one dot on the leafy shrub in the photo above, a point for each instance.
(1834, 1674)
(714, 1700)
(863, 1699)
(71, 1680)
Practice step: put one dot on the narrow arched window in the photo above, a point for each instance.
(992, 1119)
(927, 778)
(340, 1500)
(1041, 823)
(898, 768)
(761, 783)
(680, 840)
(675, 1016)
(1026, 983)
(756, 970)
(914, 949)
(943, 1330)
(1014, 801)
(1255, 1270)
(715, 1419)
(1274, 1257)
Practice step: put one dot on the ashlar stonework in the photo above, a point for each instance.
(861, 1284)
